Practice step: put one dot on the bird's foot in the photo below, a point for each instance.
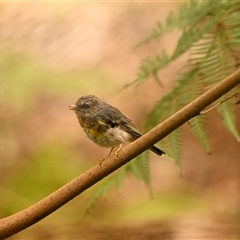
(101, 161)
(116, 152)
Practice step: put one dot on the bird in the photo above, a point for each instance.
(105, 125)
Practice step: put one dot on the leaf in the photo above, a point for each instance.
(174, 146)
(189, 14)
(229, 119)
(101, 190)
(140, 167)
(120, 175)
(198, 128)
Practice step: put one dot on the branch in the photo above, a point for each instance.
(29, 216)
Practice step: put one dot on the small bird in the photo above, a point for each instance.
(105, 125)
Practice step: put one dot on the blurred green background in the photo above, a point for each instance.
(50, 55)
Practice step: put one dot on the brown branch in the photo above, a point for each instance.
(29, 216)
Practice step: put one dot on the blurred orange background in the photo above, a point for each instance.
(53, 53)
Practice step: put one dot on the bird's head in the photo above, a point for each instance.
(86, 104)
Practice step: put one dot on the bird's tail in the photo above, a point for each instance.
(130, 128)
(157, 151)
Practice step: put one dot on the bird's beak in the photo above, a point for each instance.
(72, 107)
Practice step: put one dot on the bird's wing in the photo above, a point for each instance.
(114, 118)
(107, 117)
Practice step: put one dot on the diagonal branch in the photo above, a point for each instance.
(29, 216)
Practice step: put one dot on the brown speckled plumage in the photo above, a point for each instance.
(104, 124)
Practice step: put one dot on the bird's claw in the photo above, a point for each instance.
(101, 161)
(118, 150)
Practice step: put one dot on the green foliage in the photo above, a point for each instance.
(229, 119)
(102, 190)
(199, 131)
(193, 27)
(210, 34)
(139, 167)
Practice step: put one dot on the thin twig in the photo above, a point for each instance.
(219, 103)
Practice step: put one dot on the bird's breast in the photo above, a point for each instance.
(112, 137)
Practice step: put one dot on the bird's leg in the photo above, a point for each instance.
(118, 150)
(103, 159)
(110, 152)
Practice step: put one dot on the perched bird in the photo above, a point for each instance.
(105, 125)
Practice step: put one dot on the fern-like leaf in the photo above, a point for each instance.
(198, 129)
(174, 146)
(100, 192)
(120, 175)
(228, 117)
(189, 11)
(140, 168)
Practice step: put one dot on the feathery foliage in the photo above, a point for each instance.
(210, 34)
(139, 167)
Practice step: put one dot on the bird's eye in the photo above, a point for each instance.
(113, 124)
(86, 105)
